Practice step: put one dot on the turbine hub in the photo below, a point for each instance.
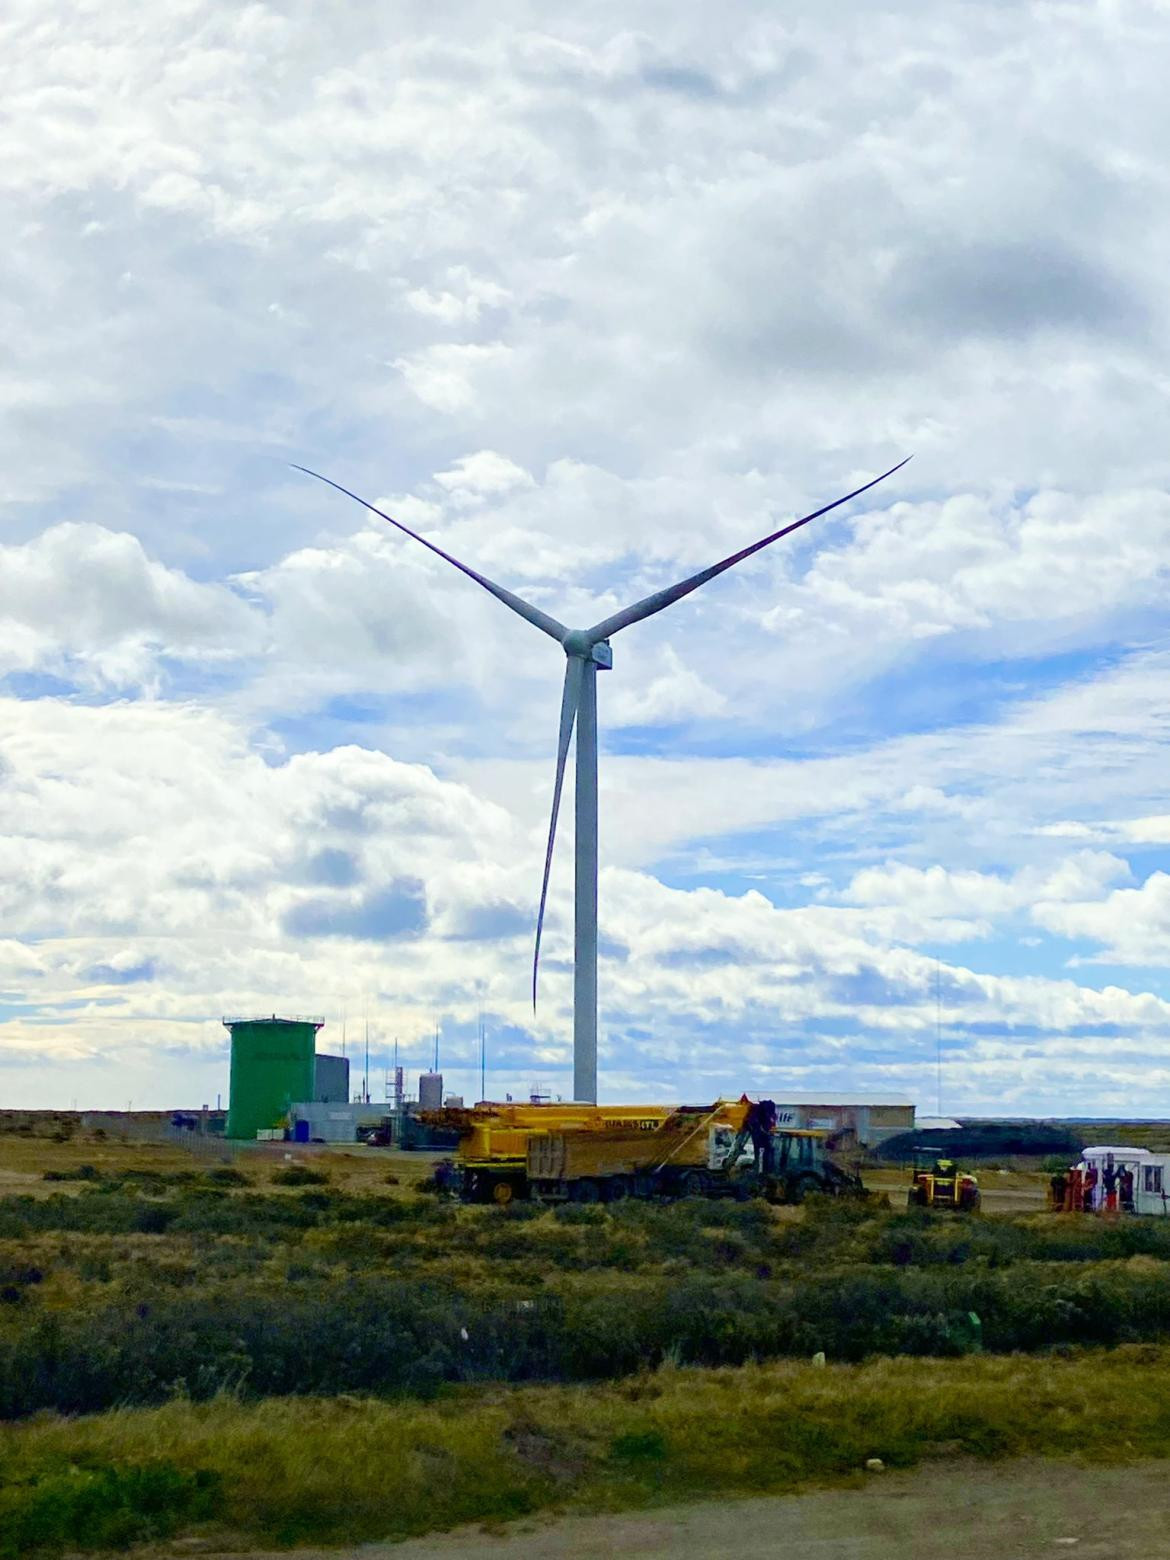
(577, 642)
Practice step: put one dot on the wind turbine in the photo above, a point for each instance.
(587, 651)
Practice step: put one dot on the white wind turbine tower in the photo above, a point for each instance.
(587, 650)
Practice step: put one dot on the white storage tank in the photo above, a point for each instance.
(430, 1091)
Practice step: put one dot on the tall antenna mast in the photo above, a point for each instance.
(366, 1099)
(938, 1038)
(436, 1047)
(482, 1060)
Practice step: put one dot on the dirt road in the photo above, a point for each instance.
(982, 1511)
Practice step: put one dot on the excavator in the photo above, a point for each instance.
(783, 1165)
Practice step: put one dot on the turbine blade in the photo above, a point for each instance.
(649, 605)
(570, 698)
(525, 609)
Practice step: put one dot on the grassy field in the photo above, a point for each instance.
(337, 1470)
(285, 1344)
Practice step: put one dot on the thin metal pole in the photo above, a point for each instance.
(585, 906)
(938, 1036)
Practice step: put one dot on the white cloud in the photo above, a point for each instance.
(84, 602)
(444, 376)
(677, 694)
(467, 298)
(1037, 575)
(1147, 831)
(934, 891)
(483, 475)
(1131, 925)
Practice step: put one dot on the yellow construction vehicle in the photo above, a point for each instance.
(491, 1163)
(939, 1183)
(603, 1153)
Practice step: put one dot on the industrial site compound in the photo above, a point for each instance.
(283, 1088)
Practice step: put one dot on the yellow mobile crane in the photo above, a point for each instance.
(491, 1163)
(587, 1153)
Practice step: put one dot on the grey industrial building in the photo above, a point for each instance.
(868, 1122)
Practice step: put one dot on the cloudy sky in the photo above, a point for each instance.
(590, 296)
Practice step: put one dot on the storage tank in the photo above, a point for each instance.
(273, 1066)
(430, 1091)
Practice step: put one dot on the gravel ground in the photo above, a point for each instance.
(977, 1511)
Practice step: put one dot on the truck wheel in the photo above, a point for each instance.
(585, 1191)
(802, 1186)
(617, 1188)
(502, 1193)
(695, 1183)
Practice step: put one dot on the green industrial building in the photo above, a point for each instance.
(273, 1067)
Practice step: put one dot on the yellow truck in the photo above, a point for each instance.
(604, 1153)
(491, 1163)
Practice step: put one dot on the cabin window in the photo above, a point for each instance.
(1152, 1180)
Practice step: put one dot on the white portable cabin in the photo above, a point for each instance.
(1151, 1175)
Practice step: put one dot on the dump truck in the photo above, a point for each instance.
(939, 1183)
(730, 1148)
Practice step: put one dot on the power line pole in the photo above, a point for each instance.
(482, 1059)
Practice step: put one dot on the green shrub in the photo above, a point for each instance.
(101, 1508)
(637, 1446)
(95, 1211)
(317, 1290)
(299, 1175)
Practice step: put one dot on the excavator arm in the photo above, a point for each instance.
(759, 1125)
